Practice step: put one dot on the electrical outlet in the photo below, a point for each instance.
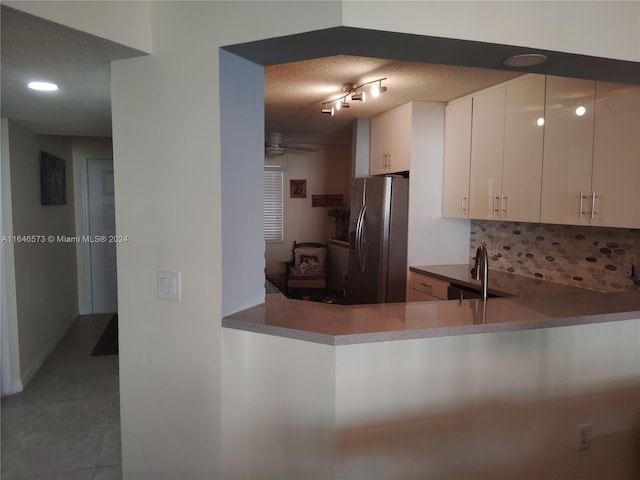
(583, 440)
(628, 270)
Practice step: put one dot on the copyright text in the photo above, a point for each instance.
(64, 239)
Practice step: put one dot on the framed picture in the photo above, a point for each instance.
(326, 200)
(297, 188)
(53, 181)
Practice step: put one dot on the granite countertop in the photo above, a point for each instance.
(533, 304)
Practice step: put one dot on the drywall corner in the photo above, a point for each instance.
(10, 345)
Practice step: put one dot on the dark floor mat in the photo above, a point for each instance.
(108, 342)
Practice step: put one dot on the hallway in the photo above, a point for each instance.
(66, 424)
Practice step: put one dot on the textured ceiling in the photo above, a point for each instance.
(423, 68)
(36, 49)
(294, 92)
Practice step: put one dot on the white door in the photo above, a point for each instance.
(102, 225)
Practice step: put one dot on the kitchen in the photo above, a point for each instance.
(583, 264)
(360, 352)
(190, 140)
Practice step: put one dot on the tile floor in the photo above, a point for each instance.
(66, 424)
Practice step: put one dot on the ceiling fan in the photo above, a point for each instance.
(275, 146)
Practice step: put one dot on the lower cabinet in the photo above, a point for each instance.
(423, 288)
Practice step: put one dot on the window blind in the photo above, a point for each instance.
(273, 204)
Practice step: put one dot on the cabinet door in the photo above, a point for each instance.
(616, 156)
(428, 285)
(400, 131)
(523, 142)
(568, 151)
(417, 296)
(487, 142)
(378, 155)
(457, 158)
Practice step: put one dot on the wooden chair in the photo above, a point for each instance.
(307, 269)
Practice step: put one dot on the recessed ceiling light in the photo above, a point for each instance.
(43, 86)
(525, 60)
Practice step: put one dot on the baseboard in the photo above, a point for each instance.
(15, 387)
(28, 375)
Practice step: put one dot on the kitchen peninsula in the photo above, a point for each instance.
(528, 303)
(400, 390)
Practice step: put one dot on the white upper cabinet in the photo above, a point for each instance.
(487, 146)
(506, 151)
(545, 149)
(568, 151)
(457, 158)
(391, 141)
(615, 187)
(523, 142)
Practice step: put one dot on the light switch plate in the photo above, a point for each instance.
(169, 286)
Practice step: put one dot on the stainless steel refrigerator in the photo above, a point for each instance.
(378, 240)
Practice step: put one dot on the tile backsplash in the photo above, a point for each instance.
(589, 257)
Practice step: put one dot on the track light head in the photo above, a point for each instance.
(377, 89)
(359, 97)
(340, 104)
(328, 111)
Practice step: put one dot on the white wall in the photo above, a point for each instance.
(167, 159)
(242, 84)
(11, 379)
(279, 408)
(600, 28)
(125, 22)
(433, 240)
(498, 406)
(361, 147)
(327, 171)
(45, 273)
(83, 148)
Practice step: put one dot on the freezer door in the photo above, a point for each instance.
(375, 240)
(352, 285)
(397, 244)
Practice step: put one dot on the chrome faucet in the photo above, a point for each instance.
(480, 270)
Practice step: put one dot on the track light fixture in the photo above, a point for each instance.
(357, 93)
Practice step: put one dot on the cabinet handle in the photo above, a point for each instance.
(581, 209)
(389, 161)
(495, 208)
(503, 204)
(593, 204)
(426, 285)
(463, 199)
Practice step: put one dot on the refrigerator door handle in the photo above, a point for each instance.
(360, 238)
